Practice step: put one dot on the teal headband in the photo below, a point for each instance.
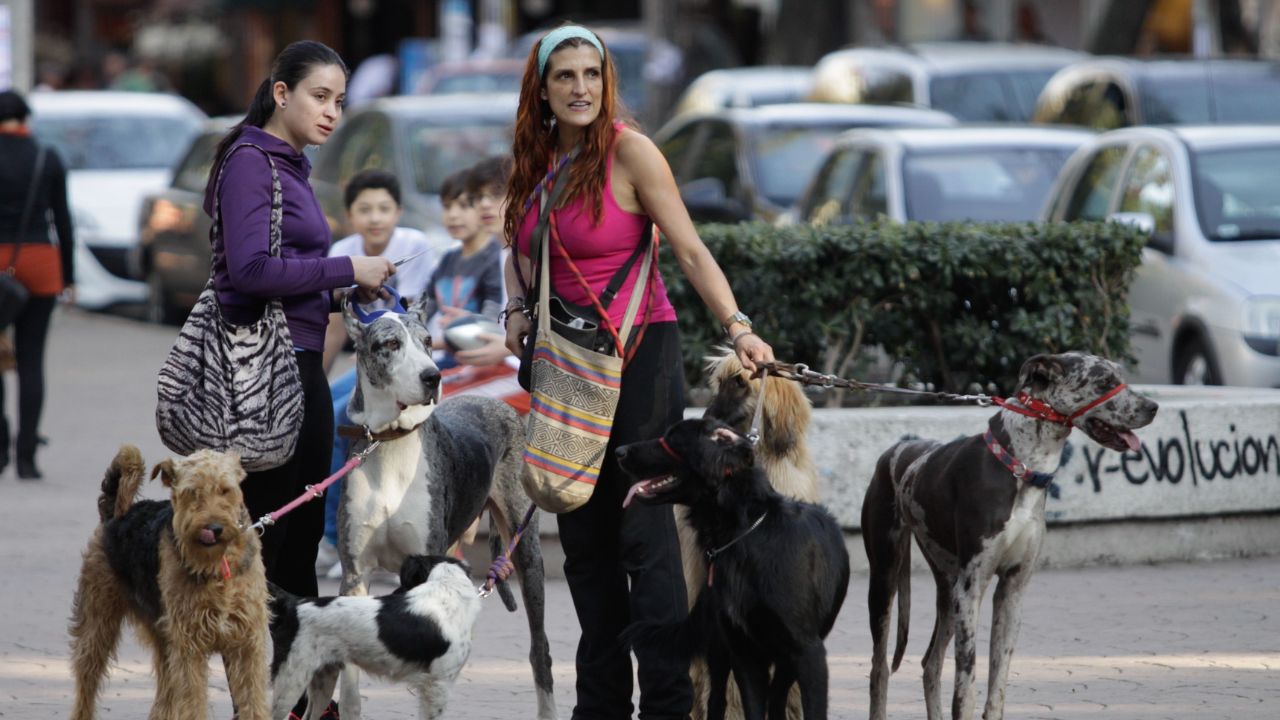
(559, 35)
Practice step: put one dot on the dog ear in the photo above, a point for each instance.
(165, 470)
(355, 328)
(1039, 373)
(414, 571)
(424, 308)
(731, 452)
(786, 413)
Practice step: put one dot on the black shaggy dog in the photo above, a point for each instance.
(777, 569)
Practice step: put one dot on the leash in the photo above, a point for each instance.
(754, 433)
(712, 554)
(502, 566)
(314, 491)
(799, 372)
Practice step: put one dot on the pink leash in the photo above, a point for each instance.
(313, 491)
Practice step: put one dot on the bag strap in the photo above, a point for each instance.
(277, 206)
(556, 176)
(36, 172)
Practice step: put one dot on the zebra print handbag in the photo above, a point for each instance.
(233, 387)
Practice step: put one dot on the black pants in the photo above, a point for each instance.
(30, 330)
(289, 547)
(624, 565)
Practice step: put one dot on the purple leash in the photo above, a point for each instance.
(502, 566)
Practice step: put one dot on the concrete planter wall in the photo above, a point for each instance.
(1210, 451)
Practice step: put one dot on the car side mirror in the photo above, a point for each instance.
(1146, 223)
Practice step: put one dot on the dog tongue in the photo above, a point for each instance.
(1131, 439)
(207, 537)
(632, 492)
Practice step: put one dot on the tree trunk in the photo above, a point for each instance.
(1118, 30)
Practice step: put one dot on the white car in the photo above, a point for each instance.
(117, 147)
(983, 174)
(1205, 303)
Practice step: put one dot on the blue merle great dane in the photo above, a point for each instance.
(437, 467)
(976, 508)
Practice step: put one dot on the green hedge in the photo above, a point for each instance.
(958, 305)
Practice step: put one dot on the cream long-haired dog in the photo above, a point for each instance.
(783, 453)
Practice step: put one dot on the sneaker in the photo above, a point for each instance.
(326, 557)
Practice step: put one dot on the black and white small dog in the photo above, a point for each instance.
(420, 635)
(777, 569)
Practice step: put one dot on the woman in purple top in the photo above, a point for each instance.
(299, 105)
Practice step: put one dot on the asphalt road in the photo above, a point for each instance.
(1141, 642)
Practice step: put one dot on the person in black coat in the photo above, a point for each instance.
(35, 260)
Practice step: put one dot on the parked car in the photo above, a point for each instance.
(1107, 93)
(117, 147)
(974, 81)
(173, 252)
(473, 76)
(744, 163)
(422, 139)
(744, 87)
(985, 174)
(1205, 303)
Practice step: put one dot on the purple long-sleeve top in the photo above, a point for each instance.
(245, 273)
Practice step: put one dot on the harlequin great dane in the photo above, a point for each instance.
(437, 467)
(976, 508)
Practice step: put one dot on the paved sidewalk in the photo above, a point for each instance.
(1178, 641)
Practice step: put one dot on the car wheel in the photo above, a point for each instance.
(159, 307)
(1194, 364)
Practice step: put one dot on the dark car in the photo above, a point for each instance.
(423, 139)
(173, 232)
(974, 81)
(1109, 93)
(751, 163)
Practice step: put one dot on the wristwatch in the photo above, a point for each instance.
(737, 317)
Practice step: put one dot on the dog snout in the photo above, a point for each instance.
(430, 377)
(216, 529)
(621, 452)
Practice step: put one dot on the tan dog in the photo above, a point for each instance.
(783, 454)
(187, 574)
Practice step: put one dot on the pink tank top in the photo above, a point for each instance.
(598, 251)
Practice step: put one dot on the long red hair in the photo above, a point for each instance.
(535, 141)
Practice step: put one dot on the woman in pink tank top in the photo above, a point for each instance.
(622, 566)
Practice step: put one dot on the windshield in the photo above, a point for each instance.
(1236, 195)
(786, 157)
(499, 82)
(992, 184)
(117, 142)
(1237, 97)
(986, 97)
(438, 151)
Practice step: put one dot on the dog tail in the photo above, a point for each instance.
(121, 482)
(903, 571)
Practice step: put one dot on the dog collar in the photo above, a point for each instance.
(360, 432)
(370, 316)
(1016, 466)
(714, 552)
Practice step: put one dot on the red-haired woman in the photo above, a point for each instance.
(615, 186)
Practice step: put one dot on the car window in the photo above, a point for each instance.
(495, 82)
(436, 151)
(987, 96)
(832, 187)
(784, 157)
(368, 145)
(1098, 104)
(1236, 193)
(1148, 188)
(1246, 97)
(117, 142)
(987, 184)
(885, 86)
(193, 173)
(869, 199)
(676, 149)
(718, 158)
(1092, 195)
(1169, 99)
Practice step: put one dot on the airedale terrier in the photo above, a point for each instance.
(188, 575)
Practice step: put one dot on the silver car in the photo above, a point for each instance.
(984, 174)
(1205, 304)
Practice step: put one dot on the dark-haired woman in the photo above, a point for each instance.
(41, 267)
(299, 105)
(622, 566)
